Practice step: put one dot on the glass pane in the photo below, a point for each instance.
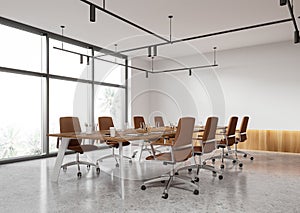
(68, 99)
(20, 113)
(109, 72)
(110, 101)
(20, 49)
(68, 64)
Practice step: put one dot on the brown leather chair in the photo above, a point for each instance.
(205, 144)
(104, 124)
(71, 125)
(242, 137)
(138, 121)
(158, 121)
(227, 142)
(180, 151)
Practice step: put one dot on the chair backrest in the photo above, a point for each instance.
(105, 123)
(70, 124)
(243, 129)
(230, 134)
(159, 120)
(183, 137)
(137, 120)
(209, 135)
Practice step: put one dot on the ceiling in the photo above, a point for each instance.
(196, 17)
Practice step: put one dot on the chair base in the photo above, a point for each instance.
(223, 156)
(78, 163)
(171, 180)
(143, 148)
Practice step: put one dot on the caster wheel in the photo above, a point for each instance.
(79, 174)
(204, 163)
(240, 165)
(214, 173)
(117, 165)
(226, 154)
(64, 169)
(196, 179)
(190, 170)
(165, 196)
(162, 181)
(176, 173)
(192, 181)
(143, 187)
(196, 192)
(213, 160)
(98, 171)
(222, 166)
(133, 156)
(220, 177)
(252, 158)
(245, 155)
(88, 167)
(234, 161)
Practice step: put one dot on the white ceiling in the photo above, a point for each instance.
(193, 17)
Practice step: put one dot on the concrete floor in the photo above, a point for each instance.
(270, 183)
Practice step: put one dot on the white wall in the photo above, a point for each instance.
(259, 81)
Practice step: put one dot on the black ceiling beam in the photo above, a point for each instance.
(212, 34)
(125, 20)
(100, 59)
(185, 68)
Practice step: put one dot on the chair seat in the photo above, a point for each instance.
(116, 144)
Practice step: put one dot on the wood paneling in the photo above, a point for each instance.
(272, 140)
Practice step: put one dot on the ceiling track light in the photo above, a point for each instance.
(87, 60)
(296, 37)
(190, 72)
(62, 36)
(81, 59)
(149, 52)
(92, 13)
(170, 17)
(283, 2)
(154, 50)
(215, 55)
(147, 74)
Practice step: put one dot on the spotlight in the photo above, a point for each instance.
(147, 75)
(88, 60)
(81, 59)
(154, 50)
(296, 37)
(190, 72)
(149, 51)
(283, 2)
(92, 13)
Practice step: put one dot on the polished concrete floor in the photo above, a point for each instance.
(270, 183)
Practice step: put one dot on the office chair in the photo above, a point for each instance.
(104, 124)
(139, 122)
(228, 141)
(72, 125)
(205, 144)
(158, 121)
(242, 137)
(180, 151)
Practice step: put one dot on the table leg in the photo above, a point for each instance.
(121, 170)
(59, 159)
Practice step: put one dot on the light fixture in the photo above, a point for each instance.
(62, 36)
(88, 60)
(81, 59)
(92, 13)
(154, 50)
(149, 52)
(190, 72)
(296, 37)
(147, 74)
(283, 2)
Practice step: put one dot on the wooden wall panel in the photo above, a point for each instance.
(272, 140)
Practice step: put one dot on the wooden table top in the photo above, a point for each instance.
(121, 136)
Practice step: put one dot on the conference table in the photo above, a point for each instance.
(151, 134)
